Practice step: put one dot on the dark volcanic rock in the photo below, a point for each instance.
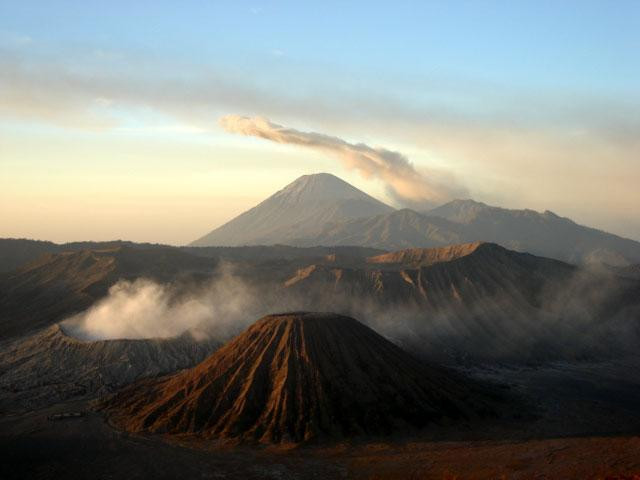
(51, 366)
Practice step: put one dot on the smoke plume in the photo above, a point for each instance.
(404, 182)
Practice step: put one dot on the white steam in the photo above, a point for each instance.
(146, 309)
(141, 309)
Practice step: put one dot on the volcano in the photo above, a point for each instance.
(296, 211)
(300, 377)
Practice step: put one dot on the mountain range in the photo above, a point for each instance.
(466, 302)
(322, 209)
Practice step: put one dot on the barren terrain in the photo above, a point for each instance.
(88, 448)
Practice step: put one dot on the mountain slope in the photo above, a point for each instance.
(482, 303)
(296, 211)
(58, 285)
(389, 231)
(300, 377)
(51, 366)
(423, 257)
(544, 233)
(460, 221)
(476, 274)
(17, 252)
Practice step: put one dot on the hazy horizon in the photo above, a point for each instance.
(123, 121)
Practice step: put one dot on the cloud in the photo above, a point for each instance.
(95, 98)
(404, 182)
(140, 309)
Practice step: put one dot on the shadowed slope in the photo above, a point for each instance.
(460, 221)
(543, 233)
(298, 377)
(18, 252)
(52, 366)
(485, 303)
(389, 231)
(57, 285)
(456, 275)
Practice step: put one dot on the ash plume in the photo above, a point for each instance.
(407, 185)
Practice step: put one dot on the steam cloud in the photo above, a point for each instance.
(143, 308)
(406, 184)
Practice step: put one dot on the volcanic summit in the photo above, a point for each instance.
(299, 377)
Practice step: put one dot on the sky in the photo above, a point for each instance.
(112, 113)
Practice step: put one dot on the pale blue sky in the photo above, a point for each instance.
(585, 45)
(526, 104)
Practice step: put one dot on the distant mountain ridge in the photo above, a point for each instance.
(16, 252)
(545, 234)
(322, 210)
(399, 229)
(317, 213)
